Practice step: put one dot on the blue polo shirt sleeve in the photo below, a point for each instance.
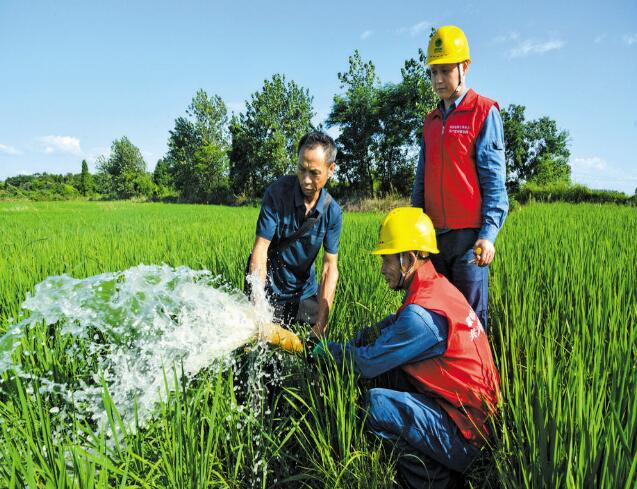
(268, 217)
(415, 335)
(491, 167)
(418, 190)
(333, 233)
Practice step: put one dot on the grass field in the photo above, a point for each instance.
(563, 309)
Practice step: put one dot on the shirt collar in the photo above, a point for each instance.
(299, 199)
(456, 103)
(298, 195)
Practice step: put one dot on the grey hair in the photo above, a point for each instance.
(317, 138)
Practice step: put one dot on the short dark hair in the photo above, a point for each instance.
(317, 138)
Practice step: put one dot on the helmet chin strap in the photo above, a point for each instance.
(461, 81)
(403, 275)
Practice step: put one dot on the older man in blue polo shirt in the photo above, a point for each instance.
(297, 217)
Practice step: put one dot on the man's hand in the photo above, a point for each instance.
(320, 351)
(484, 251)
(318, 331)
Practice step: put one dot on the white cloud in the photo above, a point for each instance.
(599, 39)
(591, 163)
(9, 150)
(630, 39)
(416, 29)
(60, 144)
(596, 172)
(367, 34)
(511, 36)
(419, 28)
(531, 46)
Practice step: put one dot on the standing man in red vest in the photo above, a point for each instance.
(445, 384)
(461, 173)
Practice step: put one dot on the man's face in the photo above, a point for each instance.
(445, 79)
(313, 171)
(391, 270)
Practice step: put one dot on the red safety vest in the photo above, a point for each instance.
(464, 379)
(452, 190)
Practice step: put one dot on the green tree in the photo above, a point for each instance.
(381, 126)
(401, 110)
(102, 182)
(355, 113)
(265, 137)
(536, 151)
(86, 181)
(198, 146)
(161, 174)
(126, 171)
(548, 152)
(420, 95)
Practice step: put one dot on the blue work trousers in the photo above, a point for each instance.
(432, 451)
(456, 250)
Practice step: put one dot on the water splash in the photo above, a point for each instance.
(129, 329)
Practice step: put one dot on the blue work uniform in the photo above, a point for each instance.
(291, 277)
(456, 245)
(432, 448)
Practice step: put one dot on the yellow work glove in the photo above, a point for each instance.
(281, 337)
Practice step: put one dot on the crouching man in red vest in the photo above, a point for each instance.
(449, 386)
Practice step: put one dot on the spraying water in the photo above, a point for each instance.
(129, 329)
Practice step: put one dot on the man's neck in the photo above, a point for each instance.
(456, 95)
(310, 202)
(410, 278)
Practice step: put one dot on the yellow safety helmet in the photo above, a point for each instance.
(448, 45)
(406, 229)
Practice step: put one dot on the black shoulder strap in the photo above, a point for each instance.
(307, 225)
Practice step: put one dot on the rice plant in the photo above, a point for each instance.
(563, 308)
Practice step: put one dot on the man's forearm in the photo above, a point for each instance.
(329, 279)
(259, 259)
(258, 265)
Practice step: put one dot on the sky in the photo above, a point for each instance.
(76, 75)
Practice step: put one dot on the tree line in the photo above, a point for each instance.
(214, 157)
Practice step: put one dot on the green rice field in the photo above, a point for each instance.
(563, 325)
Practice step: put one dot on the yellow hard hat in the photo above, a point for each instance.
(448, 45)
(406, 229)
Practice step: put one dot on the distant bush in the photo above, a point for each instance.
(384, 204)
(565, 192)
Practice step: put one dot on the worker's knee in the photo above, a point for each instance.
(381, 415)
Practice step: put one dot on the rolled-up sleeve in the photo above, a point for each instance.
(268, 217)
(333, 233)
(418, 191)
(491, 167)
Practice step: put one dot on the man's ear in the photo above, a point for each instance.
(408, 261)
(413, 258)
(330, 169)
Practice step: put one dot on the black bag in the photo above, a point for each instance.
(275, 250)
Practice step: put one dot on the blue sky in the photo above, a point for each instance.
(77, 75)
